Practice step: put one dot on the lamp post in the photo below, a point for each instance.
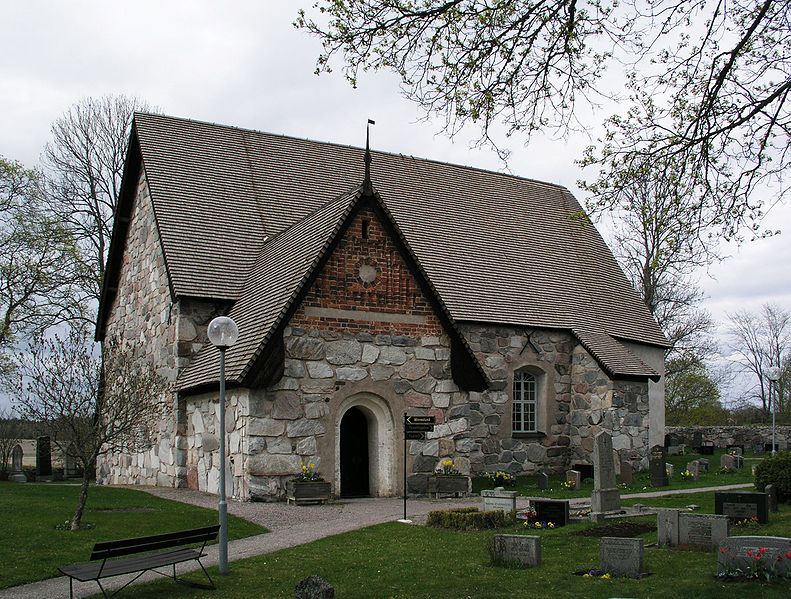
(223, 333)
(774, 375)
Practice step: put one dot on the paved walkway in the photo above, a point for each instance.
(290, 526)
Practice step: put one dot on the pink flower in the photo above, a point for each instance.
(749, 552)
(722, 550)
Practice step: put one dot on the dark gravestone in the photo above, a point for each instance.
(552, 510)
(707, 448)
(739, 505)
(586, 470)
(314, 587)
(627, 473)
(671, 440)
(543, 480)
(697, 440)
(658, 472)
(43, 457)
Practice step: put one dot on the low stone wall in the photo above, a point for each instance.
(722, 436)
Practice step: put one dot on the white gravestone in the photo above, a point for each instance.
(498, 499)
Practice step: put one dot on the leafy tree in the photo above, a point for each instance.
(760, 342)
(36, 258)
(9, 438)
(59, 388)
(84, 163)
(692, 394)
(707, 83)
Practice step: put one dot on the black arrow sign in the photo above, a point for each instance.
(417, 428)
(415, 436)
(420, 419)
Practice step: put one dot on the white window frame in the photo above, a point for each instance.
(525, 402)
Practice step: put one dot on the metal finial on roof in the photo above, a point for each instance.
(368, 187)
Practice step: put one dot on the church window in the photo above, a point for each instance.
(524, 402)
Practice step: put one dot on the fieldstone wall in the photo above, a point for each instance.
(203, 442)
(142, 315)
(722, 436)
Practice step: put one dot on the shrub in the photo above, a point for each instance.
(775, 470)
(470, 519)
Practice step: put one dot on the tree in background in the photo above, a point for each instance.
(707, 82)
(59, 388)
(37, 257)
(84, 164)
(692, 394)
(759, 342)
(9, 438)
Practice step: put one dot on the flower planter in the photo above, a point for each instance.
(442, 484)
(307, 491)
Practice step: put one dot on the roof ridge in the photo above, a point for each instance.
(244, 131)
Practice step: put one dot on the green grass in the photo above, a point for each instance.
(398, 561)
(528, 486)
(32, 548)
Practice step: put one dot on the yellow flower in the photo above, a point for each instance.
(550, 525)
(588, 575)
(606, 576)
(538, 524)
(311, 465)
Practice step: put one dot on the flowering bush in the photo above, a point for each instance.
(501, 479)
(447, 469)
(759, 567)
(748, 523)
(308, 474)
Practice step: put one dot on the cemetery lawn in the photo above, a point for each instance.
(402, 561)
(32, 548)
(527, 485)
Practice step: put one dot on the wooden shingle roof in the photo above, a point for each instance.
(497, 248)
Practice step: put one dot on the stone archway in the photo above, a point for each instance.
(366, 417)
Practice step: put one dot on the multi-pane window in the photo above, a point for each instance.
(524, 420)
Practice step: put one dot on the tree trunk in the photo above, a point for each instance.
(76, 521)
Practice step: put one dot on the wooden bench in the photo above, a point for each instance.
(108, 567)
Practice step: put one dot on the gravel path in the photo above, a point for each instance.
(290, 525)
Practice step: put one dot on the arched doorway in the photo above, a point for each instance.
(365, 447)
(355, 480)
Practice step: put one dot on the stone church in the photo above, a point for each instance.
(366, 285)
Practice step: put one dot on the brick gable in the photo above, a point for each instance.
(366, 286)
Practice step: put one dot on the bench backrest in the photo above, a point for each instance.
(110, 549)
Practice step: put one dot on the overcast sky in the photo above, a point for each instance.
(244, 64)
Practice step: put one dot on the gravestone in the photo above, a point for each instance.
(677, 527)
(707, 448)
(498, 499)
(621, 557)
(627, 473)
(671, 440)
(702, 530)
(704, 463)
(658, 461)
(771, 494)
(524, 550)
(542, 479)
(314, 587)
(758, 449)
(693, 468)
(739, 461)
(670, 470)
(727, 461)
(734, 554)
(605, 496)
(742, 505)
(17, 475)
(43, 458)
(677, 449)
(585, 470)
(697, 440)
(735, 449)
(575, 477)
(551, 510)
(667, 527)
